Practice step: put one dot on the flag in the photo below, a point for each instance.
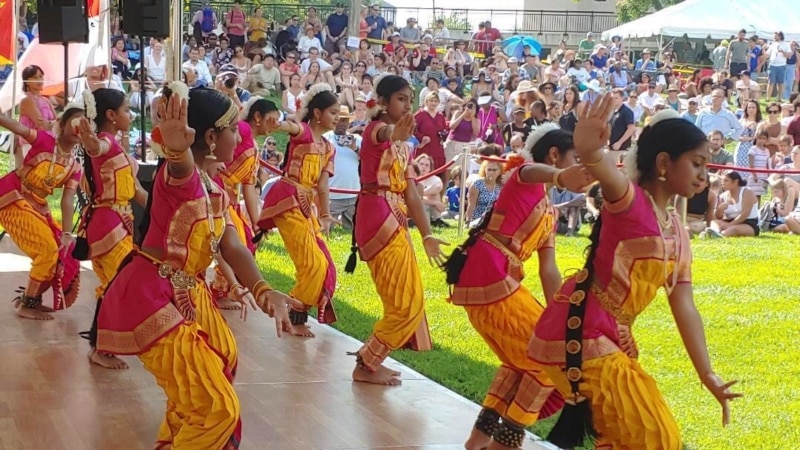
(6, 30)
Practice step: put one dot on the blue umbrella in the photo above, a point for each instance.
(513, 46)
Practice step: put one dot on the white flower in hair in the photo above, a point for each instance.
(180, 89)
(629, 165)
(249, 105)
(310, 94)
(536, 134)
(89, 104)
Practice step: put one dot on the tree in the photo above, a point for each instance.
(456, 20)
(628, 10)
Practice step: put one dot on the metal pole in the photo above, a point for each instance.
(176, 41)
(16, 73)
(142, 100)
(463, 194)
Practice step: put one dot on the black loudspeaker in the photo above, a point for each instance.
(146, 17)
(62, 21)
(146, 176)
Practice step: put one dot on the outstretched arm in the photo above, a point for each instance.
(690, 326)
(17, 128)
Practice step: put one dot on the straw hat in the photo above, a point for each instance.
(525, 86)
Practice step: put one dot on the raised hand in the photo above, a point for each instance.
(88, 137)
(271, 124)
(433, 248)
(721, 391)
(593, 128)
(575, 178)
(403, 129)
(174, 127)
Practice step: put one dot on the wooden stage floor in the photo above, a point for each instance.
(295, 394)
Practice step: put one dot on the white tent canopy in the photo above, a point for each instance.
(719, 19)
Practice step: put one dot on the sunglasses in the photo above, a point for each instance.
(271, 142)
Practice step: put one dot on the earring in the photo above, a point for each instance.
(258, 123)
(661, 177)
(211, 156)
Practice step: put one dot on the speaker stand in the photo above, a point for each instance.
(66, 73)
(143, 100)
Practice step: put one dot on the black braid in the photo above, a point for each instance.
(455, 263)
(575, 425)
(352, 260)
(145, 225)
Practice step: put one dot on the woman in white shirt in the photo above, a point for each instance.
(156, 64)
(736, 213)
(308, 41)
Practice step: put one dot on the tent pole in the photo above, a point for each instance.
(14, 74)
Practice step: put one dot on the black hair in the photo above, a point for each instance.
(322, 101)
(673, 136)
(737, 177)
(387, 86)
(106, 100)
(206, 106)
(28, 73)
(261, 106)
(455, 262)
(558, 138)
(67, 115)
(681, 136)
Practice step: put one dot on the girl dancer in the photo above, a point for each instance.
(50, 164)
(583, 339)
(388, 194)
(155, 305)
(486, 272)
(288, 204)
(240, 175)
(111, 184)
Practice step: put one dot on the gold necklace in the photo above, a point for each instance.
(50, 180)
(209, 213)
(664, 223)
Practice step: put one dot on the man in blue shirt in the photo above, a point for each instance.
(377, 25)
(336, 30)
(755, 54)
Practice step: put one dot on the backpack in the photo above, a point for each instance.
(207, 26)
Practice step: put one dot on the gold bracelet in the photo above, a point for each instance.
(173, 155)
(588, 164)
(235, 286)
(259, 288)
(555, 179)
(425, 238)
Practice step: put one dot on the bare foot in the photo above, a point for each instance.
(33, 314)
(106, 361)
(392, 372)
(300, 330)
(227, 304)
(17, 302)
(379, 377)
(478, 440)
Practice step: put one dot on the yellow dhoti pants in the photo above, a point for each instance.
(106, 265)
(627, 407)
(220, 336)
(32, 234)
(520, 387)
(311, 266)
(202, 407)
(399, 284)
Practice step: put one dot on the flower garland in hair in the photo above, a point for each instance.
(316, 89)
(629, 164)
(89, 105)
(181, 90)
(537, 133)
(374, 108)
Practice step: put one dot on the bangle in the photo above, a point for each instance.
(235, 286)
(259, 288)
(426, 237)
(555, 179)
(592, 164)
(324, 216)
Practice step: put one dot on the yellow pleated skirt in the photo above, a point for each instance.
(628, 410)
(399, 284)
(202, 407)
(220, 336)
(32, 234)
(106, 265)
(300, 236)
(520, 387)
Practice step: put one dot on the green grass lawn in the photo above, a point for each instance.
(746, 291)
